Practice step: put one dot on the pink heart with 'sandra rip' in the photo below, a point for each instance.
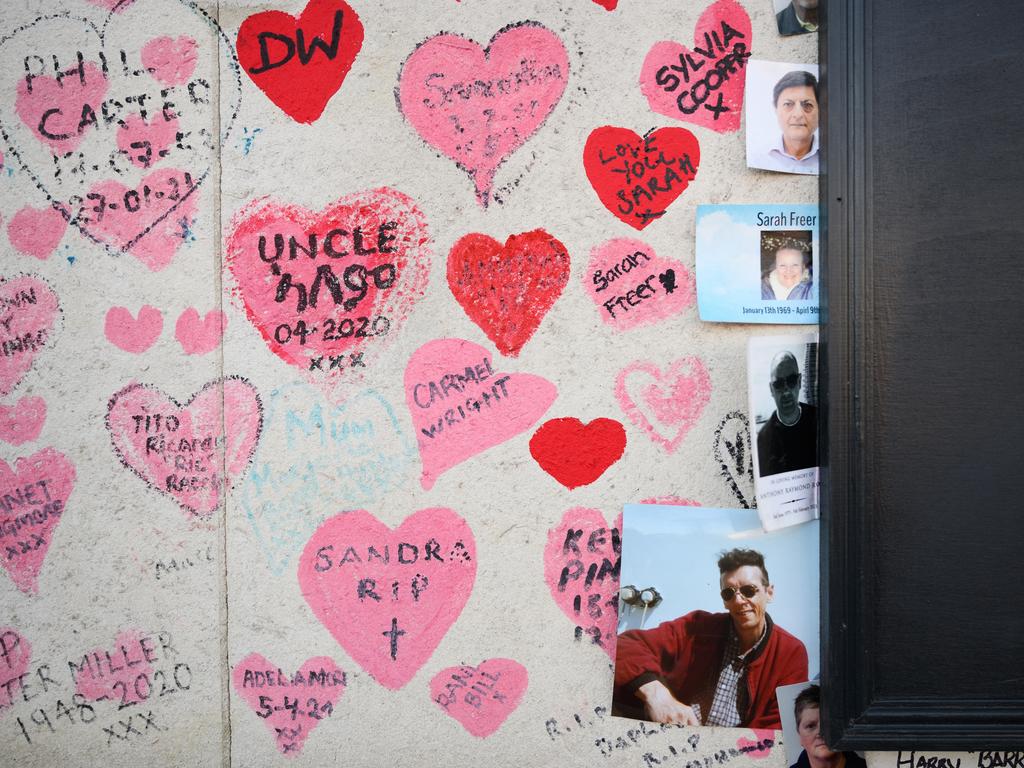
(22, 422)
(142, 223)
(633, 286)
(702, 85)
(170, 60)
(675, 398)
(130, 334)
(198, 336)
(482, 697)
(36, 231)
(146, 142)
(15, 652)
(581, 567)
(290, 705)
(180, 449)
(28, 312)
(478, 105)
(33, 498)
(389, 596)
(461, 407)
(128, 672)
(53, 109)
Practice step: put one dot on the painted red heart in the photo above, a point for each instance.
(372, 247)
(133, 334)
(389, 596)
(291, 705)
(482, 697)
(574, 453)
(608, 5)
(638, 177)
(22, 422)
(507, 289)
(702, 85)
(33, 499)
(300, 63)
(15, 652)
(581, 567)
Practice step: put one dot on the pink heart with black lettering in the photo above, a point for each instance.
(61, 127)
(334, 284)
(482, 697)
(181, 449)
(127, 672)
(28, 314)
(671, 401)
(479, 105)
(702, 85)
(145, 142)
(15, 652)
(290, 705)
(33, 498)
(22, 422)
(581, 567)
(388, 596)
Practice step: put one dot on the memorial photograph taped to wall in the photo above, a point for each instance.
(782, 383)
(782, 117)
(715, 614)
(797, 17)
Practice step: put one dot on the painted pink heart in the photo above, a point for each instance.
(479, 105)
(675, 398)
(170, 60)
(180, 449)
(372, 257)
(482, 697)
(760, 746)
(143, 220)
(112, 5)
(147, 142)
(290, 705)
(461, 407)
(581, 567)
(126, 679)
(22, 422)
(198, 336)
(28, 314)
(15, 652)
(33, 499)
(36, 231)
(132, 334)
(702, 85)
(633, 286)
(389, 596)
(60, 112)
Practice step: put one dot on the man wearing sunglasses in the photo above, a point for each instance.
(789, 439)
(712, 668)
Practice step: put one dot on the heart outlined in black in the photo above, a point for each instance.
(733, 433)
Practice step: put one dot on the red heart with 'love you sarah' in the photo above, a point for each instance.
(638, 177)
(575, 453)
(300, 63)
(507, 289)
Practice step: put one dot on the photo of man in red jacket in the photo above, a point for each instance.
(718, 669)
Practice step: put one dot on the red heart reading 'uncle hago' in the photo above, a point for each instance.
(300, 63)
(507, 289)
(638, 177)
(575, 453)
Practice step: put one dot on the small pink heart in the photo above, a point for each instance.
(36, 231)
(147, 142)
(389, 596)
(581, 567)
(112, 5)
(22, 422)
(15, 652)
(461, 407)
(131, 334)
(33, 498)
(675, 398)
(28, 313)
(482, 697)
(199, 336)
(170, 60)
(291, 705)
(59, 112)
(129, 672)
(760, 746)
(181, 449)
